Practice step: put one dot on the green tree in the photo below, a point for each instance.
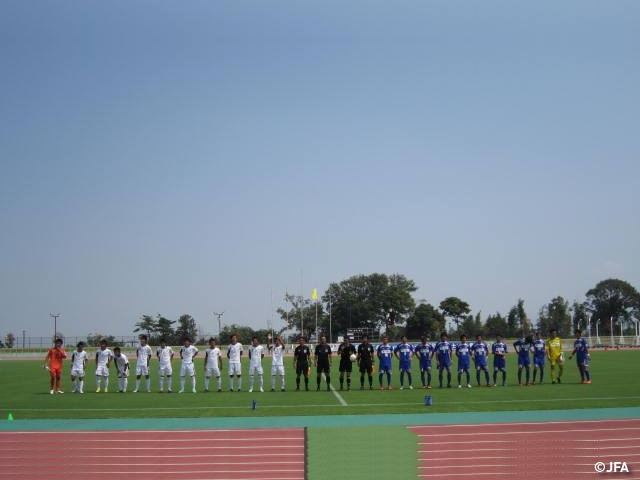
(556, 314)
(186, 328)
(580, 315)
(9, 340)
(244, 334)
(455, 309)
(517, 320)
(612, 298)
(495, 324)
(370, 301)
(302, 314)
(146, 324)
(425, 319)
(471, 326)
(164, 329)
(94, 339)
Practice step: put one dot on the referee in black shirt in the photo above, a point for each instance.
(323, 362)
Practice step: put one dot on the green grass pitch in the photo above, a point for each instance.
(26, 394)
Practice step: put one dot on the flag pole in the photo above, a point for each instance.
(301, 305)
(330, 335)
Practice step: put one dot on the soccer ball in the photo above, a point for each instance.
(353, 357)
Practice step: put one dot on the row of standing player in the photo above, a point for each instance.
(364, 355)
(105, 357)
(444, 350)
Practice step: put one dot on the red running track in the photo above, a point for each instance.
(558, 450)
(273, 454)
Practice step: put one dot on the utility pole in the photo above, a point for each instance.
(219, 315)
(55, 324)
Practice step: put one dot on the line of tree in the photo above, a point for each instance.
(172, 331)
(385, 302)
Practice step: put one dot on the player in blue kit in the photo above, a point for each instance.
(539, 354)
(463, 352)
(424, 352)
(581, 351)
(444, 350)
(480, 353)
(499, 350)
(385, 353)
(404, 352)
(523, 347)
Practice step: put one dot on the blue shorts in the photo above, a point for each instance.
(385, 368)
(524, 361)
(444, 363)
(538, 362)
(481, 364)
(406, 366)
(425, 365)
(582, 360)
(464, 366)
(499, 364)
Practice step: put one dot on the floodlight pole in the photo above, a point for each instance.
(219, 315)
(330, 333)
(611, 331)
(55, 324)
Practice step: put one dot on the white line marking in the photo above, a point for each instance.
(185, 464)
(518, 449)
(338, 396)
(182, 473)
(556, 422)
(80, 448)
(508, 465)
(208, 455)
(526, 454)
(496, 473)
(147, 440)
(546, 441)
(528, 434)
(75, 433)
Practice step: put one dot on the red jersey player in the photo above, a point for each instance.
(54, 358)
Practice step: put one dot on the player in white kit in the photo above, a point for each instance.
(277, 364)
(103, 361)
(212, 365)
(143, 357)
(256, 354)
(78, 366)
(234, 354)
(187, 353)
(165, 355)
(122, 369)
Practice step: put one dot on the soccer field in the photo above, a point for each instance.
(26, 394)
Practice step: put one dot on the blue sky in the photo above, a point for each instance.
(190, 157)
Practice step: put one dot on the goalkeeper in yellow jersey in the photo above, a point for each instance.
(554, 354)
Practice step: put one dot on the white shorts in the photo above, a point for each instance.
(277, 370)
(165, 370)
(255, 370)
(77, 372)
(102, 371)
(235, 369)
(142, 370)
(124, 374)
(212, 372)
(187, 370)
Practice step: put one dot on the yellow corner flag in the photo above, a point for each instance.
(314, 294)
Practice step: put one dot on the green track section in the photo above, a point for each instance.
(319, 421)
(362, 452)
